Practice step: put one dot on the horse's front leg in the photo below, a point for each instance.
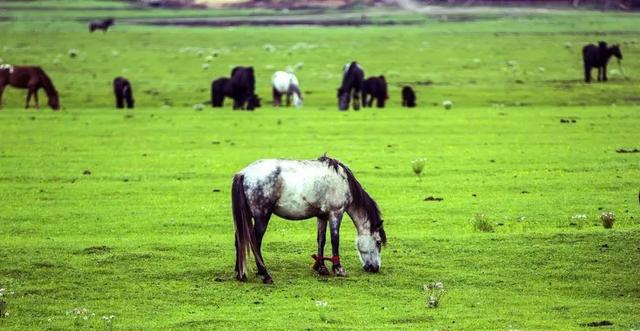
(322, 238)
(238, 103)
(599, 73)
(288, 100)
(356, 100)
(334, 225)
(29, 92)
(35, 97)
(604, 73)
(259, 229)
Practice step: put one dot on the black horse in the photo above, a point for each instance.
(351, 85)
(101, 24)
(221, 88)
(374, 88)
(408, 97)
(123, 92)
(242, 86)
(598, 57)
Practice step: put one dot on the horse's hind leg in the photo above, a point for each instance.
(2, 86)
(277, 98)
(288, 99)
(29, 92)
(604, 73)
(259, 229)
(587, 73)
(334, 226)
(322, 238)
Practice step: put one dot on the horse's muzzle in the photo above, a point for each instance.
(371, 268)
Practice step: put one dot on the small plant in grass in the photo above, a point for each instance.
(607, 219)
(578, 220)
(322, 310)
(480, 223)
(80, 315)
(108, 321)
(435, 292)
(4, 313)
(418, 165)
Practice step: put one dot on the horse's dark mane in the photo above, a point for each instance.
(361, 198)
(350, 78)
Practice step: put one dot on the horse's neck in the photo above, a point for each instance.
(47, 85)
(360, 221)
(294, 89)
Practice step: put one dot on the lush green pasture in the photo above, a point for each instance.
(127, 213)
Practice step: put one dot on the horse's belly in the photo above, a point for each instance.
(292, 214)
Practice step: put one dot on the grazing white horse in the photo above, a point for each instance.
(286, 83)
(300, 189)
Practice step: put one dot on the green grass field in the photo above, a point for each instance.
(127, 213)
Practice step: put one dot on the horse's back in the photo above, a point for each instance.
(298, 189)
(282, 81)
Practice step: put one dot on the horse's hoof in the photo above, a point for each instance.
(242, 278)
(322, 270)
(339, 271)
(267, 280)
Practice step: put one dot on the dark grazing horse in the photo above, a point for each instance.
(31, 78)
(101, 24)
(221, 88)
(374, 88)
(300, 189)
(242, 87)
(352, 79)
(408, 97)
(123, 92)
(598, 57)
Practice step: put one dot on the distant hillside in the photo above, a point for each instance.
(280, 4)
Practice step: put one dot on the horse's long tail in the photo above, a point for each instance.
(245, 237)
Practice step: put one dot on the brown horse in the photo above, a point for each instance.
(28, 77)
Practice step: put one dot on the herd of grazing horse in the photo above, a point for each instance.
(241, 84)
(292, 189)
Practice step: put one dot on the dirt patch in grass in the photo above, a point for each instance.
(95, 250)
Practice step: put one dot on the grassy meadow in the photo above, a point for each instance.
(127, 213)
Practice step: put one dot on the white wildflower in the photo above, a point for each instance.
(321, 304)
(447, 104)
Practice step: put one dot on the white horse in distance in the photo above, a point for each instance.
(285, 83)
